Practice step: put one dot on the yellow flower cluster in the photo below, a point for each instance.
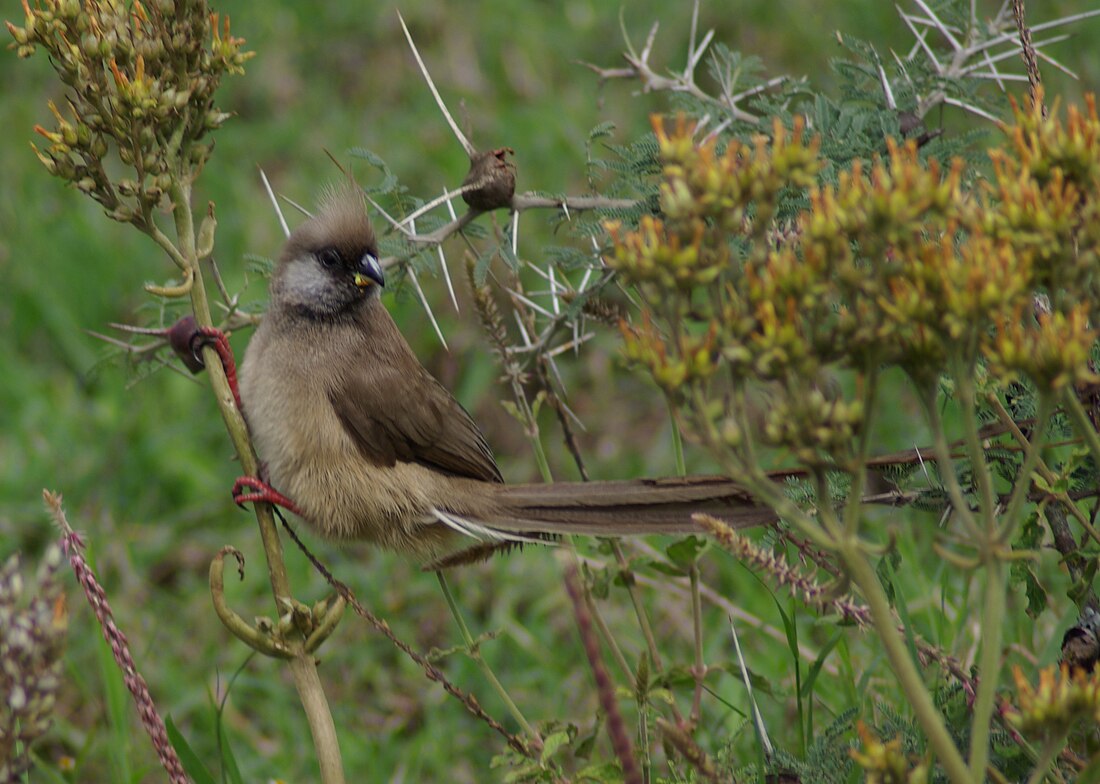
(904, 262)
(1059, 701)
(140, 76)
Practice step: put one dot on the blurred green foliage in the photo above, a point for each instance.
(142, 458)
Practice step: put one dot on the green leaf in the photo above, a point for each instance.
(661, 567)
(188, 758)
(1036, 594)
(819, 662)
(229, 760)
(389, 181)
(885, 570)
(599, 581)
(641, 675)
(583, 749)
(525, 772)
(607, 773)
(686, 552)
(552, 744)
(601, 131)
(664, 695)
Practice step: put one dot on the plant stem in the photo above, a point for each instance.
(677, 440)
(964, 381)
(302, 666)
(636, 600)
(906, 671)
(312, 694)
(859, 473)
(1044, 471)
(944, 462)
(1050, 751)
(605, 632)
(1023, 479)
(1082, 422)
(989, 660)
(475, 654)
(643, 618)
(996, 586)
(700, 669)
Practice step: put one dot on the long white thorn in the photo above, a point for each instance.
(993, 69)
(443, 264)
(572, 415)
(275, 203)
(446, 197)
(1014, 51)
(389, 218)
(1072, 74)
(553, 290)
(471, 151)
(584, 281)
(427, 308)
(296, 206)
(701, 49)
(530, 303)
(919, 35)
(940, 26)
(424, 301)
(1013, 35)
(890, 102)
(522, 330)
(567, 346)
(691, 37)
(447, 277)
(972, 109)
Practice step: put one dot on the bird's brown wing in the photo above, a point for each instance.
(411, 417)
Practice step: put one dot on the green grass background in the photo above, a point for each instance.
(144, 464)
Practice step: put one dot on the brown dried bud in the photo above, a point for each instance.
(181, 337)
(492, 180)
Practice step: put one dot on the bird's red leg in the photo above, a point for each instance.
(262, 493)
(187, 339)
(215, 338)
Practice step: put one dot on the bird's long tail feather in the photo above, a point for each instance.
(620, 508)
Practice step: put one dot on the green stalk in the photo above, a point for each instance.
(859, 479)
(1081, 422)
(945, 462)
(988, 544)
(989, 662)
(677, 441)
(700, 669)
(906, 671)
(1031, 460)
(979, 467)
(302, 666)
(475, 654)
(1050, 751)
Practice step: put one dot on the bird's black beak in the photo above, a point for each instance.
(369, 272)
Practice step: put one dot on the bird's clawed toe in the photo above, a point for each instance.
(261, 493)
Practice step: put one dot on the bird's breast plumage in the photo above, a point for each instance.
(288, 379)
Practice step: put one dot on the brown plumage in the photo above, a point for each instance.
(368, 445)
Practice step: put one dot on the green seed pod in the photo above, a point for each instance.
(205, 244)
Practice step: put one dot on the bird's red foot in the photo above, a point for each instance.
(215, 338)
(262, 492)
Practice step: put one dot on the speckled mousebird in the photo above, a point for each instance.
(367, 445)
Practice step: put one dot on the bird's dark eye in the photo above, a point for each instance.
(329, 257)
